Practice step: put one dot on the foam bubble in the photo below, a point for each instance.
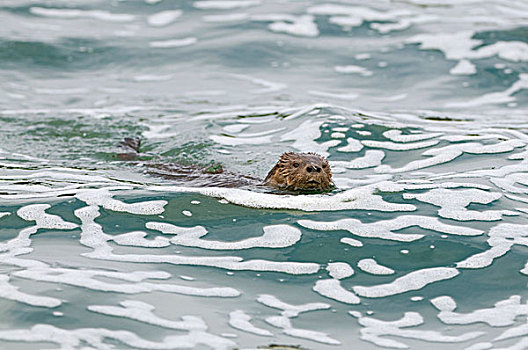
(351, 69)
(463, 67)
(397, 136)
(399, 146)
(441, 155)
(385, 229)
(453, 203)
(93, 338)
(275, 236)
(502, 314)
(232, 17)
(501, 238)
(10, 292)
(143, 312)
(356, 198)
(331, 288)
(36, 212)
(373, 267)
(224, 4)
(295, 25)
(291, 311)
(103, 197)
(371, 159)
(137, 238)
(75, 13)
(164, 44)
(93, 236)
(163, 18)
(412, 281)
(240, 320)
(375, 330)
(339, 270)
(351, 241)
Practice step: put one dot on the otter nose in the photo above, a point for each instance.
(312, 167)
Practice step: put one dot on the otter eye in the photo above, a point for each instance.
(296, 165)
(324, 166)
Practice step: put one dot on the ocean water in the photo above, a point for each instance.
(419, 105)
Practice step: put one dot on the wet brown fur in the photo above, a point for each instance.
(300, 172)
(293, 172)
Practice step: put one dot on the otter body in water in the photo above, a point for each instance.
(296, 172)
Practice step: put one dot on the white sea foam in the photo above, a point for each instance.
(441, 155)
(237, 141)
(153, 77)
(103, 197)
(502, 314)
(352, 145)
(295, 25)
(337, 135)
(501, 238)
(375, 331)
(463, 67)
(373, 267)
(351, 241)
(275, 236)
(240, 320)
(37, 213)
(412, 281)
(351, 69)
(292, 311)
(143, 312)
(352, 16)
(371, 159)
(97, 338)
(163, 18)
(304, 136)
(93, 236)
(2, 214)
(75, 13)
(10, 292)
(331, 288)
(232, 17)
(398, 146)
(137, 238)
(70, 91)
(397, 136)
(224, 4)
(339, 270)
(164, 44)
(357, 198)
(88, 279)
(453, 203)
(385, 229)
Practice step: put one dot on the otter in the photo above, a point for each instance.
(300, 172)
(293, 172)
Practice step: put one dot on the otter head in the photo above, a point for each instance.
(299, 172)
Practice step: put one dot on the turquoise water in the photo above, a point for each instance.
(420, 106)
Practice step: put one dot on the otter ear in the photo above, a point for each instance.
(287, 156)
(271, 174)
(317, 154)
